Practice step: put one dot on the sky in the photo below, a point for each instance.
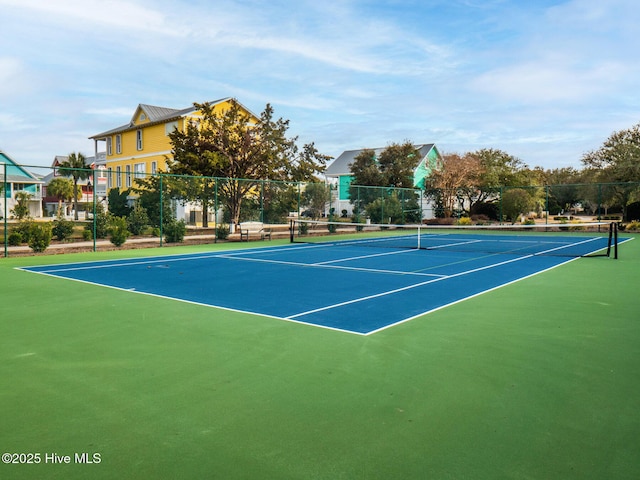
(545, 81)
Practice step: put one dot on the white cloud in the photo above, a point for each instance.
(549, 81)
(120, 14)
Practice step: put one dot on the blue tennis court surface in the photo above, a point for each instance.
(343, 286)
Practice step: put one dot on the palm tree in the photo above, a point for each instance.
(74, 166)
(62, 189)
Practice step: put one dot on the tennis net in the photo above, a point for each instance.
(573, 240)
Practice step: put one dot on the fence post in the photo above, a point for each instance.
(215, 206)
(262, 200)
(501, 204)
(161, 209)
(95, 220)
(5, 185)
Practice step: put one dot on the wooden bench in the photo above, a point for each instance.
(247, 229)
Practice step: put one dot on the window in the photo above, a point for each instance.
(109, 178)
(170, 127)
(154, 168)
(138, 170)
(118, 144)
(119, 177)
(127, 175)
(109, 146)
(139, 139)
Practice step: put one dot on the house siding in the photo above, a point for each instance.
(156, 144)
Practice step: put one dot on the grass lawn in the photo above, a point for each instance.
(536, 380)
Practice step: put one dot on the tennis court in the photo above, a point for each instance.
(536, 379)
(356, 285)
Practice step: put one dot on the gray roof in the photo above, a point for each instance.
(156, 115)
(342, 164)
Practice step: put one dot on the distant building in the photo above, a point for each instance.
(18, 179)
(142, 146)
(339, 172)
(95, 184)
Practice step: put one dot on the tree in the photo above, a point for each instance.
(397, 163)
(516, 202)
(231, 144)
(617, 161)
(315, 198)
(149, 197)
(377, 178)
(21, 208)
(62, 189)
(562, 188)
(458, 178)
(118, 202)
(75, 167)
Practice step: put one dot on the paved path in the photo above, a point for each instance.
(103, 244)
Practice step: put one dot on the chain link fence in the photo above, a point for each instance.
(81, 205)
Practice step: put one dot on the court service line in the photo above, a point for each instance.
(348, 259)
(332, 267)
(420, 284)
(193, 302)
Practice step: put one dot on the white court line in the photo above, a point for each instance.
(334, 267)
(192, 302)
(301, 322)
(409, 287)
(232, 255)
(348, 259)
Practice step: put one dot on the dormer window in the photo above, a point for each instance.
(139, 139)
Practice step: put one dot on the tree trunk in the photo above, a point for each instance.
(205, 212)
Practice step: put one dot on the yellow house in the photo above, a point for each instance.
(142, 146)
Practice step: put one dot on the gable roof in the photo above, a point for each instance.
(157, 115)
(15, 173)
(342, 164)
(90, 162)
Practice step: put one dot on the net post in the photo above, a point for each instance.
(419, 236)
(291, 226)
(615, 240)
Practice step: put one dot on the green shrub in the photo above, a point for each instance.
(14, 239)
(357, 218)
(137, 219)
(174, 231)
(635, 225)
(118, 230)
(222, 232)
(87, 235)
(62, 228)
(40, 236)
(24, 229)
(101, 222)
(332, 227)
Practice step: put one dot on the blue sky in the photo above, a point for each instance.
(546, 81)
